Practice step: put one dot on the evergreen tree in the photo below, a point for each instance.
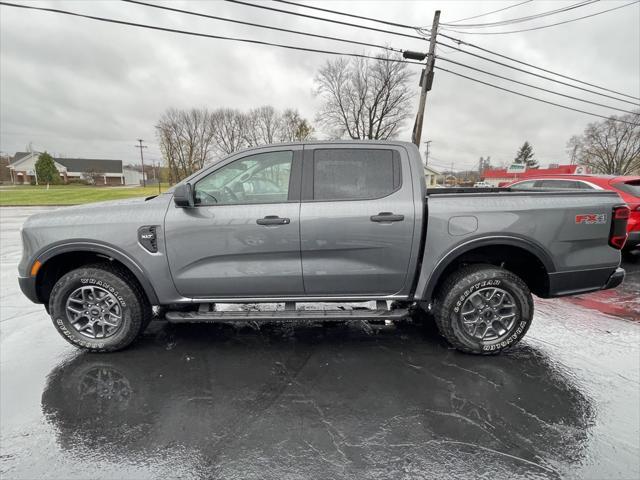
(525, 156)
(46, 169)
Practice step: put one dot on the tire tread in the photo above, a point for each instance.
(141, 308)
(472, 274)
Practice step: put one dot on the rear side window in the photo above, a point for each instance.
(561, 185)
(631, 187)
(355, 173)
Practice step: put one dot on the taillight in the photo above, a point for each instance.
(618, 233)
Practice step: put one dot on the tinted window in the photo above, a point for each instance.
(560, 184)
(632, 187)
(524, 185)
(260, 178)
(354, 174)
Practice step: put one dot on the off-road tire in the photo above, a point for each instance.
(461, 284)
(136, 310)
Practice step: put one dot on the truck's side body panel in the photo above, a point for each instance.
(221, 249)
(546, 224)
(344, 251)
(104, 228)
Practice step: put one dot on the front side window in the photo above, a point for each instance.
(528, 185)
(260, 178)
(354, 173)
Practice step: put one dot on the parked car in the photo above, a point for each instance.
(628, 187)
(482, 185)
(321, 222)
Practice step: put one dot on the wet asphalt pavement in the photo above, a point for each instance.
(307, 402)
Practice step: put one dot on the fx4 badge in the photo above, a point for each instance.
(591, 218)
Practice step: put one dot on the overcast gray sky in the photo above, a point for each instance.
(81, 88)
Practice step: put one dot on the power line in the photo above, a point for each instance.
(259, 25)
(204, 35)
(361, 17)
(152, 27)
(532, 98)
(535, 74)
(339, 22)
(510, 21)
(546, 26)
(459, 41)
(462, 42)
(489, 13)
(532, 86)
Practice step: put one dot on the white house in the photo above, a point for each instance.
(104, 172)
(132, 175)
(431, 176)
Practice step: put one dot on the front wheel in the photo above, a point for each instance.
(483, 309)
(99, 308)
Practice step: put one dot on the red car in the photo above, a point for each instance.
(627, 187)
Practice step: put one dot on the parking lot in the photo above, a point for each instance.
(313, 401)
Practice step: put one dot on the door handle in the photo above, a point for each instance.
(273, 220)
(386, 217)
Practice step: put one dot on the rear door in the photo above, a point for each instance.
(242, 237)
(356, 219)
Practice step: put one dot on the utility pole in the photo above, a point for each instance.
(426, 79)
(455, 178)
(140, 146)
(158, 177)
(426, 154)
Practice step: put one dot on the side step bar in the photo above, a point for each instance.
(285, 315)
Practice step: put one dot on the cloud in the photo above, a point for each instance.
(82, 88)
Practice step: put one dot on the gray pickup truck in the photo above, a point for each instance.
(318, 222)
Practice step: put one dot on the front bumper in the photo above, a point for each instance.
(28, 287)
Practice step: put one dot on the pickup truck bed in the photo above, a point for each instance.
(561, 255)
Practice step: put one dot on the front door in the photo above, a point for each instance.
(356, 220)
(241, 239)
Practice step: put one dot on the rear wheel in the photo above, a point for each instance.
(99, 308)
(483, 309)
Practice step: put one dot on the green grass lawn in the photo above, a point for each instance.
(70, 194)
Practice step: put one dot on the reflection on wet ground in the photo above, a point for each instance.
(313, 401)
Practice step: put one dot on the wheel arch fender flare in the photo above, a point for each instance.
(457, 251)
(105, 250)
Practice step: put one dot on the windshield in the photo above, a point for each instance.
(632, 187)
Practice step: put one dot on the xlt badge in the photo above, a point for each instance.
(147, 238)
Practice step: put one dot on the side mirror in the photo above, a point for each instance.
(183, 196)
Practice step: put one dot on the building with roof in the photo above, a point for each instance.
(431, 176)
(99, 171)
(499, 176)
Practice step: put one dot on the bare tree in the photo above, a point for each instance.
(294, 128)
(228, 127)
(263, 126)
(609, 146)
(362, 98)
(186, 140)
(93, 176)
(189, 139)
